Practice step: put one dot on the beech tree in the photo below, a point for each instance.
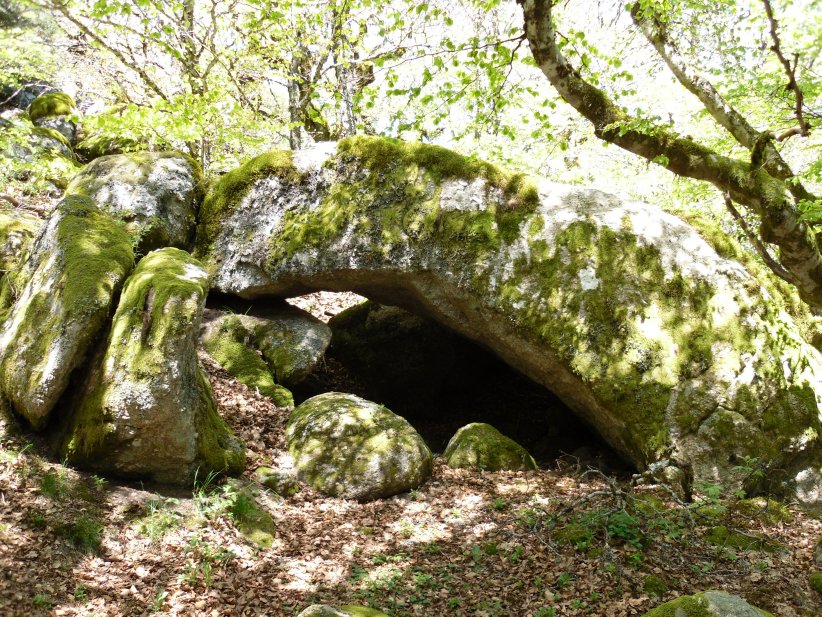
(754, 175)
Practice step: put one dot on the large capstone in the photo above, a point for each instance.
(63, 297)
(346, 446)
(155, 194)
(147, 410)
(668, 349)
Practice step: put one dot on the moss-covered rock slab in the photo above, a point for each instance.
(56, 111)
(667, 349)
(349, 610)
(481, 446)
(707, 604)
(156, 195)
(346, 446)
(292, 341)
(77, 266)
(147, 410)
(229, 339)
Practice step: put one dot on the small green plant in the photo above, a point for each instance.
(41, 600)
(562, 580)
(454, 602)
(546, 611)
(515, 556)
(85, 534)
(490, 548)
(159, 519)
(54, 484)
(499, 504)
(159, 600)
(81, 593)
(527, 517)
(432, 548)
(203, 558)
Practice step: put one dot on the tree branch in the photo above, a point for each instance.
(747, 184)
(653, 27)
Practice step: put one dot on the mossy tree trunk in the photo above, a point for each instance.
(765, 183)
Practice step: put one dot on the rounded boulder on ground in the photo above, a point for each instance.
(346, 446)
(707, 604)
(481, 446)
(55, 110)
(324, 610)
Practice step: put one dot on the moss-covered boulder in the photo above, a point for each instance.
(707, 604)
(667, 349)
(155, 194)
(481, 446)
(57, 111)
(38, 157)
(78, 263)
(229, 339)
(345, 446)
(147, 409)
(348, 610)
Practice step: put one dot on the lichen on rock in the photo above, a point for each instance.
(481, 446)
(78, 263)
(346, 446)
(147, 409)
(667, 349)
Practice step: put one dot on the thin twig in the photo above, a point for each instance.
(790, 69)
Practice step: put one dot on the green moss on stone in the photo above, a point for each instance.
(92, 258)
(218, 448)
(685, 606)
(51, 133)
(815, 582)
(766, 510)
(225, 195)
(51, 104)
(481, 446)
(254, 523)
(228, 347)
(410, 210)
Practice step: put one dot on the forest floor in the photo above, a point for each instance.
(557, 541)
